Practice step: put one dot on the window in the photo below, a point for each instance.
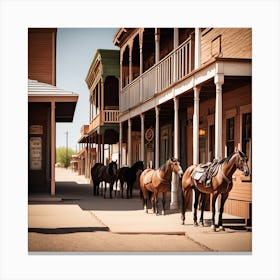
(246, 133)
(230, 136)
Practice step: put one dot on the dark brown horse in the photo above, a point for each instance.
(158, 181)
(108, 174)
(128, 175)
(95, 177)
(221, 184)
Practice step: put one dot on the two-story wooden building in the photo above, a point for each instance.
(47, 105)
(187, 92)
(102, 134)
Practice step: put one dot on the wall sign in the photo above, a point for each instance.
(36, 129)
(149, 135)
(35, 145)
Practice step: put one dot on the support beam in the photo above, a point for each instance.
(219, 80)
(157, 45)
(196, 126)
(120, 145)
(174, 203)
(53, 148)
(197, 48)
(142, 116)
(157, 132)
(129, 146)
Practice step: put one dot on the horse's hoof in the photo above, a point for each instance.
(213, 227)
(221, 228)
(163, 213)
(201, 224)
(195, 224)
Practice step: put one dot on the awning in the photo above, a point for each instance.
(65, 101)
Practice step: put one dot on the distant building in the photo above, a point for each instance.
(102, 134)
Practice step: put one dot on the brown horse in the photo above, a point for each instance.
(158, 181)
(221, 184)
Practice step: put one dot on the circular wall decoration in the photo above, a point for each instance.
(149, 135)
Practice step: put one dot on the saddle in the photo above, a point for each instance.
(204, 172)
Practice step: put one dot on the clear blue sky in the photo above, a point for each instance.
(76, 48)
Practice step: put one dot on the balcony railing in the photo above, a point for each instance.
(105, 117)
(169, 70)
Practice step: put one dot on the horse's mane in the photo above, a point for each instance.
(163, 167)
(138, 164)
(227, 159)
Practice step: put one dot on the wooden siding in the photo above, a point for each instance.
(41, 55)
(215, 39)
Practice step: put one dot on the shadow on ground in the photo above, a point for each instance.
(71, 192)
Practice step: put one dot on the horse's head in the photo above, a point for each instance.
(176, 167)
(242, 162)
(113, 168)
(139, 165)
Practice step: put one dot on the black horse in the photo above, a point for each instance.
(129, 175)
(95, 177)
(108, 174)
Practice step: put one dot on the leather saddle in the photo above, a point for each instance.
(204, 172)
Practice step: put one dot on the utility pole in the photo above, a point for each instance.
(66, 149)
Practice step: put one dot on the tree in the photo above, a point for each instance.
(63, 156)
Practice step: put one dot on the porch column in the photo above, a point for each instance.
(129, 150)
(197, 48)
(196, 126)
(174, 184)
(176, 38)
(157, 43)
(141, 65)
(219, 80)
(102, 96)
(120, 146)
(121, 74)
(157, 138)
(142, 116)
(53, 148)
(102, 151)
(130, 62)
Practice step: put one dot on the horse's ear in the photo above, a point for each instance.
(235, 149)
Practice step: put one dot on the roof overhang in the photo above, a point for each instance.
(65, 101)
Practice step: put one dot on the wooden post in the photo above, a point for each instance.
(53, 148)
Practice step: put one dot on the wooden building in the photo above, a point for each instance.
(102, 134)
(47, 105)
(187, 92)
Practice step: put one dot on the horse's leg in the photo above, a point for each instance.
(121, 186)
(223, 200)
(163, 202)
(214, 198)
(104, 189)
(127, 189)
(183, 207)
(145, 200)
(203, 202)
(153, 204)
(156, 204)
(111, 189)
(196, 199)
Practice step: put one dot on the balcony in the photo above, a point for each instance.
(168, 71)
(104, 117)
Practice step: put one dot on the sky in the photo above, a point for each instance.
(75, 50)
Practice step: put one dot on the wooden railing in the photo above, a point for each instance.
(106, 116)
(169, 70)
